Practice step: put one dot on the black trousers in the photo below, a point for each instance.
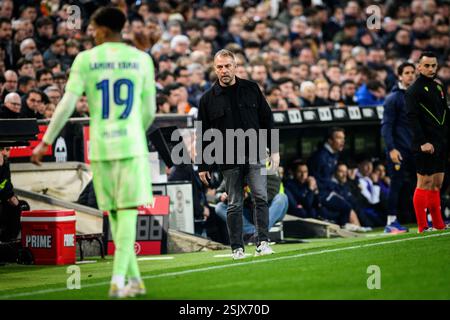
(9, 221)
(235, 180)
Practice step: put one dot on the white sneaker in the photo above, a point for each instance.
(117, 293)
(238, 254)
(134, 289)
(355, 228)
(263, 249)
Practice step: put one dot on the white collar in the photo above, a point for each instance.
(328, 147)
(401, 86)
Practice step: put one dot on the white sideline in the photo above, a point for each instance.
(162, 275)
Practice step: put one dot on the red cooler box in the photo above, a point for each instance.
(50, 235)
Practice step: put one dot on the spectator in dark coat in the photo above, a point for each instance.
(10, 205)
(32, 105)
(323, 166)
(303, 193)
(11, 108)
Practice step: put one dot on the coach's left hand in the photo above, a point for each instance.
(274, 161)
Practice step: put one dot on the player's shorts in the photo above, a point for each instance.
(428, 164)
(123, 183)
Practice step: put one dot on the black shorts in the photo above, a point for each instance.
(428, 164)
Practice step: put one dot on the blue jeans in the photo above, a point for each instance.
(277, 210)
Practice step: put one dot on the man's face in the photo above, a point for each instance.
(349, 89)
(29, 13)
(6, 9)
(379, 93)
(182, 48)
(306, 56)
(301, 174)
(183, 77)
(46, 79)
(337, 142)
(46, 31)
(54, 96)
(59, 47)
(10, 81)
(38, 62)
(408, 76)
(334, 73)
(30, 47)
(241, 72)
(322, 89)
(428, 66)
(27, 70)
(235, 27)
(274, 96)
(259, 74)
(287, 89)
(5, 31)
(34, 101)
(341, 173)
(137, 27)
(82, 105)
(210, 33)
(402, 38)
(14, 104)
(366, 168)
(174, 97)
(225, 69)
(30, 85)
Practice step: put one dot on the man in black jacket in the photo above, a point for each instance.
(397, 134)
(11, 107)
(10, 207)
(428, 116)
(234, 104)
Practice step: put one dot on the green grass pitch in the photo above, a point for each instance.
(411, 266)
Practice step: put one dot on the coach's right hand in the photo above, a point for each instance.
(395, 155)
(204, 175)
(427, 148)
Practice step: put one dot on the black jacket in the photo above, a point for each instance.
(215, 112)
(6, 187)
(5, 113)
(428, 114)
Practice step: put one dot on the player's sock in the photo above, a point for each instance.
(124, 242)
(435, 209)
(420, 201)
(391, 219)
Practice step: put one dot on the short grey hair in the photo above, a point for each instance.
(52, 88)
(12, 96)
(225, 53)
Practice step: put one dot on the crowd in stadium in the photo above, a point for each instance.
(301, 54)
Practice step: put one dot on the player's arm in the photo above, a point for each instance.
(74, 88)
(63, 112)
(149, 97)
